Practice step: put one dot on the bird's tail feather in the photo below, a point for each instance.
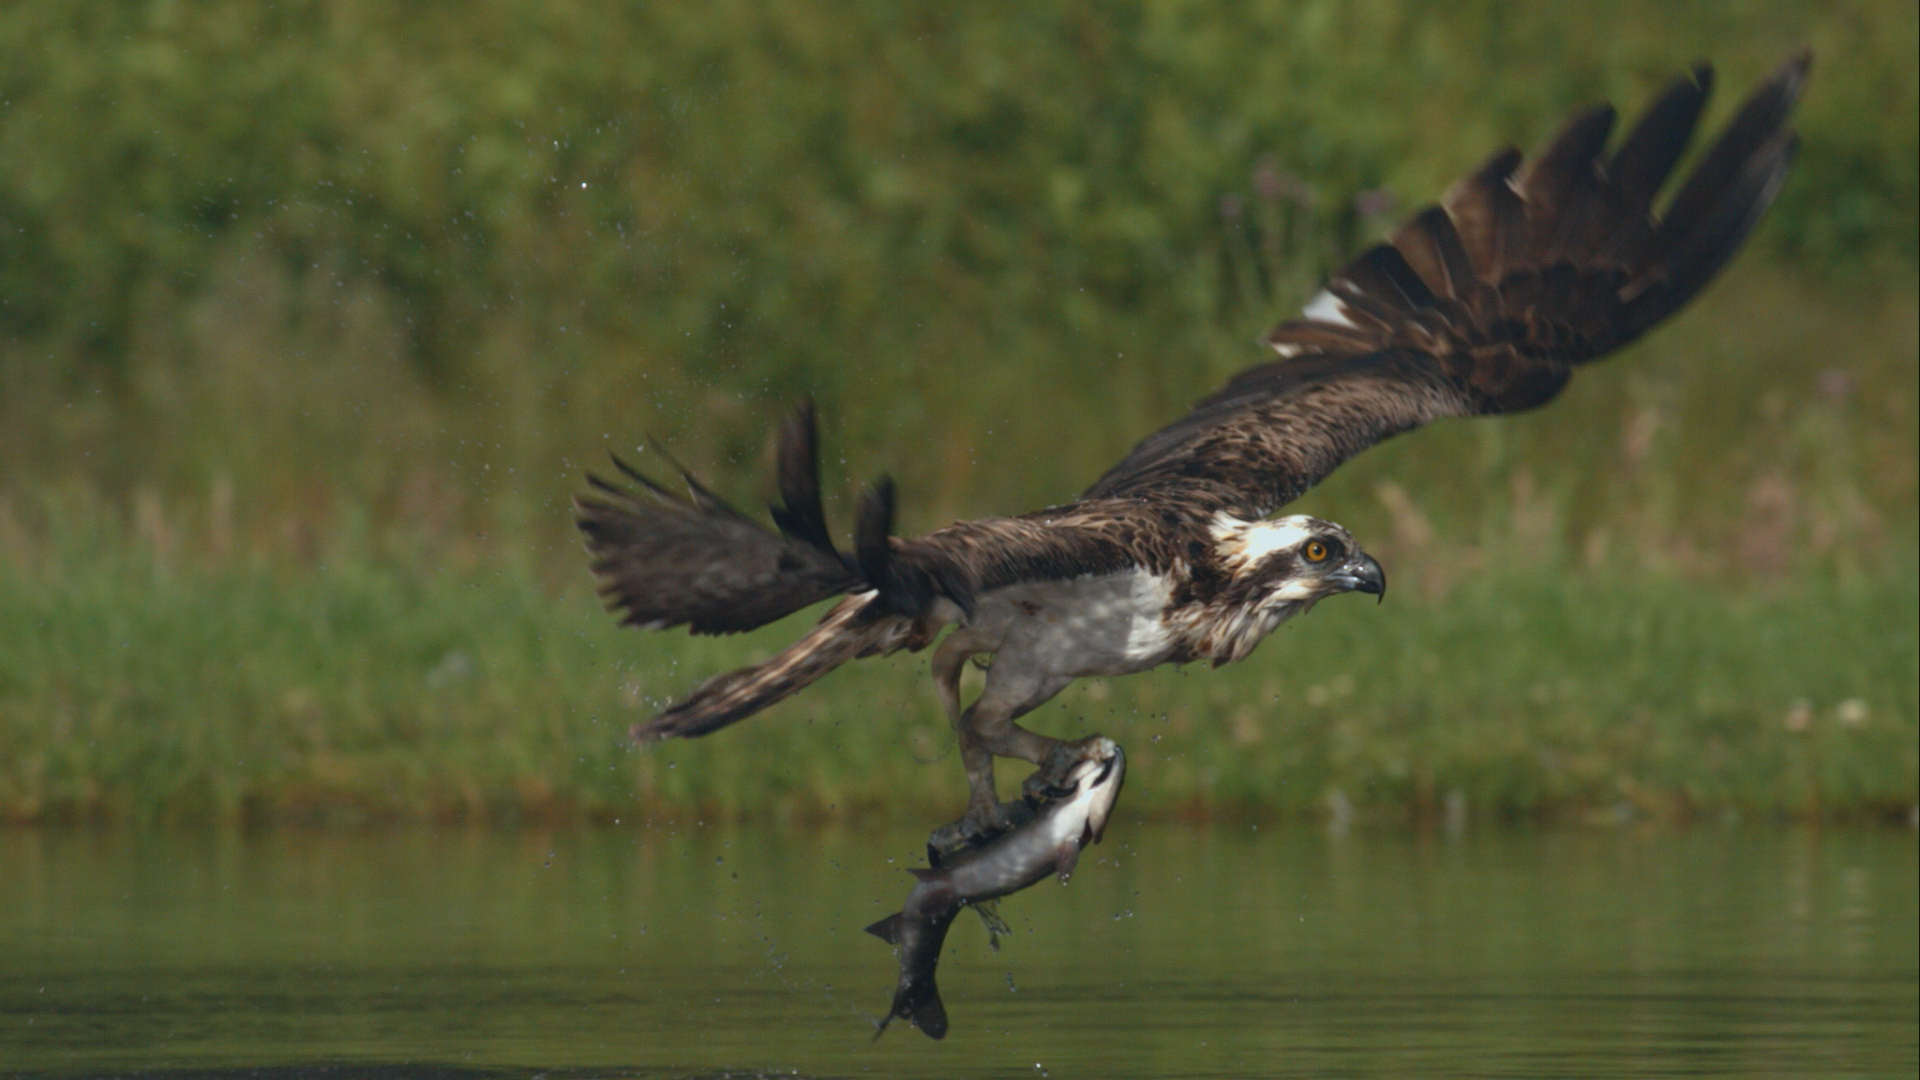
(856, 626)
(665, 560)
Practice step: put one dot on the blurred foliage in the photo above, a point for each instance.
(293, 246)
(312, 314)
(377, 685)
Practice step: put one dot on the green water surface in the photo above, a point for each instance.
(1174, 952)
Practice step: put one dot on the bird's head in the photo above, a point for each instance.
(1295, 561)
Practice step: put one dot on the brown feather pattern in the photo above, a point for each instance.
(1483, 304)
(663, 560)
(854, 627)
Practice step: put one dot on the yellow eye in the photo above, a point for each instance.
(1316, 551)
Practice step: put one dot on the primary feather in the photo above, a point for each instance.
(1483, 304)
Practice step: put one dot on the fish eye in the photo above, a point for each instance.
(1316, 551)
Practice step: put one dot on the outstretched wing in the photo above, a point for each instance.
(1483, 304)
(662, 560)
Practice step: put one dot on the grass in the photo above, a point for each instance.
(378, 686)
(310, 319)
(1687, 588)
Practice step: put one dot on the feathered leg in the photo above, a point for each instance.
(949, 660)
(986, 816)
(986, 730)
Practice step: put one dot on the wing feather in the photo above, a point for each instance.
(663, 560)
(1488, 213)
(1432, 248)
(1561, 188)
(1483, 304)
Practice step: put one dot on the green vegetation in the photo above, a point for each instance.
(311, 317)
(426, 259)
(377, 684)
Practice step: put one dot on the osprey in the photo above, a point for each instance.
(1483, 304)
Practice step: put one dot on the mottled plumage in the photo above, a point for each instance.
(1483, 304)
(663, 561)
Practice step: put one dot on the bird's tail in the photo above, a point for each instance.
(858, 625)
(663, 560)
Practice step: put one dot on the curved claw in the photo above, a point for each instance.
(1048, 782)
(1040, 788)
(977, 828)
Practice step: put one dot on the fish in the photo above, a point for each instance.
(1067, 820)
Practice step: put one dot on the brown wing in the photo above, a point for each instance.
(969, 558)
(1484, 303)
(662, 560)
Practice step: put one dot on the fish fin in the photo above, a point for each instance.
(1065, 859)
(923, 873)
(997, 928)
(919, 1004)
(887, 930)
(928, 1013)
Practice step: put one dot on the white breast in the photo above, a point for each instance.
(1109, 624)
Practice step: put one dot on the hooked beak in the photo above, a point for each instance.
(1361, 574)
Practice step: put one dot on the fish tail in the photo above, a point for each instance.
(917, 998)
(918, 1003)
(924, 1009)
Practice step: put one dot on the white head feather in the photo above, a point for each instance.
(1244, 544)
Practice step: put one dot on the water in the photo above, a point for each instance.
(1224, 952)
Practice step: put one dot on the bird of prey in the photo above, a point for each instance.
(1484, 304)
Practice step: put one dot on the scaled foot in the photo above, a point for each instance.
(1049, 781)
(979, 826)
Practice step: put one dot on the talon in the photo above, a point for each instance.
(1047, 783)
(979, 826)
(1039, 789)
